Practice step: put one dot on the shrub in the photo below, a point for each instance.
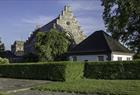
(74, 71)
(34, 71)
(4, 61)
(51, 71)
(112, 70)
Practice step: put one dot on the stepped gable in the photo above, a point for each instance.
(66, 22)
(99, 42)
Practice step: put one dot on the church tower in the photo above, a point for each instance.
(68, 23)
(65, 22)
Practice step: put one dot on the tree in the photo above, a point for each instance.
(30, 57)
(2, 48)
(122, 19)
(51, 45)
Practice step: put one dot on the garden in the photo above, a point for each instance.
(101, 78)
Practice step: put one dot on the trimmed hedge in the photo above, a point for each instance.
(50, 71)
(112, 70)
(34, 71)
(67, 71)
(74, 71)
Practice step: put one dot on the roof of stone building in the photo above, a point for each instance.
(99, 42)
(48, 26)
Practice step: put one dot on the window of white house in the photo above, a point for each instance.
(119, 58)
(100, 58)
(128, 58)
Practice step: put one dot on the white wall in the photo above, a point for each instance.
(87, 57)
(114, 56)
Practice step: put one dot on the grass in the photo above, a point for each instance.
(101, 87)
(2, 94)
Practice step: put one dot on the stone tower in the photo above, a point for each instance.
(18, 48)
(68, 23)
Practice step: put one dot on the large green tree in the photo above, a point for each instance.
(122, 19)
(51, 45)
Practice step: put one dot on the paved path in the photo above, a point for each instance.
(22, 87)
(7, 84)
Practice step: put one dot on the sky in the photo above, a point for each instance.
(18, 18)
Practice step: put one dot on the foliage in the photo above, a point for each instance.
(137, 56)
(122, 19)
(74, 71)
(69, 71)
(112, 70)
(30, 57)
(50, 45)
(34, 71)
(4, 61)
(97, 87)
(2, 48)
(60, 71)
(2, 94)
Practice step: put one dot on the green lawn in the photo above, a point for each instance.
(102, 87)
(2, 94)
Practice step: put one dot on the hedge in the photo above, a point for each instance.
(67, 71)
(74, 71)
(49, 71)
(112, 70)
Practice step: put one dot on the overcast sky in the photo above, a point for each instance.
(18, 18)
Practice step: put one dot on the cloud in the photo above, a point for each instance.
(39, 20)
(90, 24)
(84, 5)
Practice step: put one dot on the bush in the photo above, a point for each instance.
(34, 71)
(74, 71)
(51, 71)
(112, 70)
(4, 61)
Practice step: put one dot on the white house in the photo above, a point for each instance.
(100, 46)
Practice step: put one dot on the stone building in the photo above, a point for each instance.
(18, 48)
(65, 22)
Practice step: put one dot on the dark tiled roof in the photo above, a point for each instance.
(114, 45)
(48, 26)
(99, 42)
